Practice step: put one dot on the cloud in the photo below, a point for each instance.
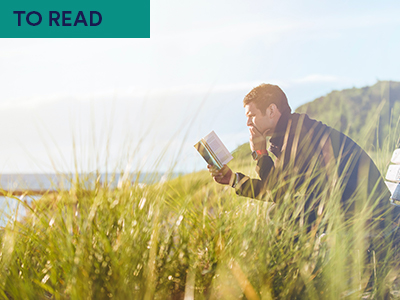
(134, 93)
(30, 102)
(317, 78)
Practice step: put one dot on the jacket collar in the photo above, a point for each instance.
(276, 141)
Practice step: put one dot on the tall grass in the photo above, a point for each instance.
(189, 238)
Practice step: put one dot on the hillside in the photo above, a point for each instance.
(366, 114)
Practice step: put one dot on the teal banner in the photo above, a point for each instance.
(75, 19)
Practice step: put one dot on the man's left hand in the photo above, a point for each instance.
(222, 176)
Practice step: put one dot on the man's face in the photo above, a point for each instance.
(260, 121)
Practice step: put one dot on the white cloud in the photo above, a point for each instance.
(133, 93)
(317, 78)
(273, 27)
(29, 103)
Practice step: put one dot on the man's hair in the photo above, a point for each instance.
(266, 94)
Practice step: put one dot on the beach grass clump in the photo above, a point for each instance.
(189, 238)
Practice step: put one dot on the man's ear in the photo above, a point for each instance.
(271, 110)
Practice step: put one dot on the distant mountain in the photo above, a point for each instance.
(368, 115)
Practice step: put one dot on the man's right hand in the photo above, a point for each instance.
(258, 140)
(222, 176)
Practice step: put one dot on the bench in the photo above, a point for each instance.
(393, 178)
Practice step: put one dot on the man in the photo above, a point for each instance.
(308, 156)
(315, 167)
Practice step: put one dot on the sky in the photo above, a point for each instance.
(141, 104)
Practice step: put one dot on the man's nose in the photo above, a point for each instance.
(249, 123)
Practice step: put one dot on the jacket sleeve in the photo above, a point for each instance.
(256, 188)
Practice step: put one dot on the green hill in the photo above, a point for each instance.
(366, 114)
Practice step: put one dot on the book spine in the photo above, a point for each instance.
(214, 157)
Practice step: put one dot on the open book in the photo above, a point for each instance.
(213, 150)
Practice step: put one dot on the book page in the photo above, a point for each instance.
(219, 149)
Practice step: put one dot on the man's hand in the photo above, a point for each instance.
(258, 140)
(222, 176)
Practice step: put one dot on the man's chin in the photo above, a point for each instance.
(267, 133)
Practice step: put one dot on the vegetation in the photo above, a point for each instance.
(354, 110)
(184, 238)
(189, 238)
